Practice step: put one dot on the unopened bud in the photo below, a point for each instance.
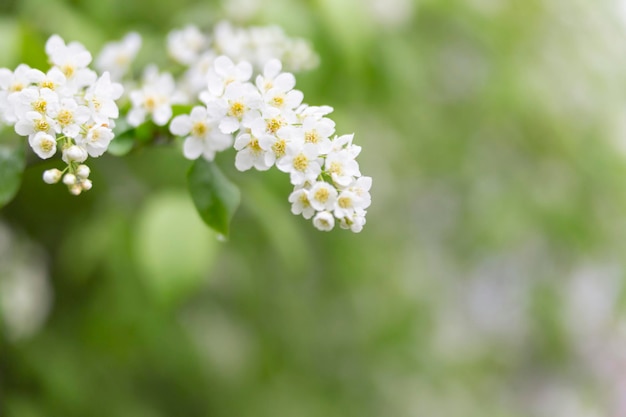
(74, 153)
(86, 185)
(69, 179)
(76, 189)
(52, 176)
(82, 171)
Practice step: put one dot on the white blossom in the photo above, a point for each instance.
(72, 59)
(185, 45)
(342, 167)
(117, 57)
(300, 203)
(250, 154)
(225, 72)
(34, 122)
(301, 162)
(97, 140)
(203, 138)
(238, 105)
(101, 96)
(322, 196)
(43, 144)
(69, 117)
(324, 221)
(154, 98)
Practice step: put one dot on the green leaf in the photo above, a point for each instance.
(12, 164)
(215, 197)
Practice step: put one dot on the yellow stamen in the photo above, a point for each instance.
(279, 148)
(41, 125)
(236, 109)
(322, 195)
(300, 162)
(199, 129)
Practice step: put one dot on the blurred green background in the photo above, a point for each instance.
(488, 281)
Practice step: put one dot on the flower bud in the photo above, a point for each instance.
(82, 171)
(86, 185)
(74, 154)
(76, 189)
(52, 176)
(69, 179)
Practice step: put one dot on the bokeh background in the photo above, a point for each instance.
(488, 281)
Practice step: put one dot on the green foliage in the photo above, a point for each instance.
(216, 198)
(489, 280)
(12, 163)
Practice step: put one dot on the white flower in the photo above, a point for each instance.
(318, 132)
(276, 145)
(100, 98)
(239, 105)
(225, 72)
(346, 204)
(299, 55)
(40, 100)
(277, 87)
(116, 57)
(344, 143)
(185, 45)
(250, 154)
(229, 40)
(354, 221)
(34, 122)
(74, 153)
(204, 138)
(72, 59)
(54, 79)
(195, 78)
(317, 112)
(271, 121)
(342, 167)
(271, 70)
(324, 221)
(301, 162)
(10, 84)
(322, 196)
(155, 98)
(301, 204)
(97, 140)
(361, 188)
(70, 116)
(15, 81)
(43, 144)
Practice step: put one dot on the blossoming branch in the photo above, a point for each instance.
(232, 92)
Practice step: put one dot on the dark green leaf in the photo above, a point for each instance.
(215, 197)
(12, 164)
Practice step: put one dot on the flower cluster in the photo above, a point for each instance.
(257, 45)
(272, 127)
(69, 108)
(237, 94)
